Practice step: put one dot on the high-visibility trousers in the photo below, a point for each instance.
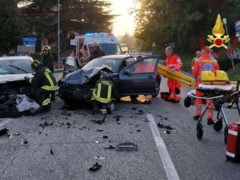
(172, 85)
(199, 104)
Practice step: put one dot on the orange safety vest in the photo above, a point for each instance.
(205, 63)
(174, 62)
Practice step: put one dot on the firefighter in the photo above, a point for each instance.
(96, 51)
(205, 63)
(43, 83)
(47, 61)
(145, 67)
(174, 63)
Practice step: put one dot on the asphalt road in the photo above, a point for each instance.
(73, 142)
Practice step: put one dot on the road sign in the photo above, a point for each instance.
(26, 50)
(29, 41)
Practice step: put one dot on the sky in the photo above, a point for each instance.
(124, 22)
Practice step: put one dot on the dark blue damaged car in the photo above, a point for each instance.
(120, 69)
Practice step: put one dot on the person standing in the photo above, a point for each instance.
(205, 63)
(96, 51)
(47, 61)
(174, 63)
(198, 55)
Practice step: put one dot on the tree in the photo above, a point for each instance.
(129, 40)
(182, 22)
(10, 29)
(76, 17)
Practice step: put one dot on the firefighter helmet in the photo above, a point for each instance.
(46, 48)
(35, 64)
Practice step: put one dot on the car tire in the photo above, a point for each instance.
(157, 88)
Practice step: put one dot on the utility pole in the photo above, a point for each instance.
(229, 44)
(58, 34)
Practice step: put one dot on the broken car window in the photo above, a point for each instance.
(18, 66)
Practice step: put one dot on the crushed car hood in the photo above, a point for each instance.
(83, 76)
(13, 77)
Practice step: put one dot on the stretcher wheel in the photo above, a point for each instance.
(225, 134)
(199, 131)
(218, 125)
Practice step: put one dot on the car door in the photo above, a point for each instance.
(139, 77)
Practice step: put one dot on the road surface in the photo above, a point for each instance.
(71, 143)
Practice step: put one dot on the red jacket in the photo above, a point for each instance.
(205, 63)
(144, 67)
(174, 62)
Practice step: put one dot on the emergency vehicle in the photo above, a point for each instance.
(107, 42)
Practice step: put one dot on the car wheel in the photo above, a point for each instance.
(157, 87)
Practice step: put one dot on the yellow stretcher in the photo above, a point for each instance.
(176, 76)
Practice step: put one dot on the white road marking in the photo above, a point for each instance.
(164, 155)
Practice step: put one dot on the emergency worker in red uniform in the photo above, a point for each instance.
(205, 63)
(174, 63)
(145, 67)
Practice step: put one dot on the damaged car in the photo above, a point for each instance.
(13, 69)
(128, 79)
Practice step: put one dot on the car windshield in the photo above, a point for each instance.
(15, 66)
(112, 63)
(108, 49)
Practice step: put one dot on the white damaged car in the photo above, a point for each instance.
(13, 69)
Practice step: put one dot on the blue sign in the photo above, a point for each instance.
(29, 41)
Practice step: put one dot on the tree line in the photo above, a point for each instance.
(38, 18)
(181, 22)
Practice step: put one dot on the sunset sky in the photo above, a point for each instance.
(124, 22)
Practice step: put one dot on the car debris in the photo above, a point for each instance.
(51, 152)
(95, 167)
(99, 130)
(3, 131)
(25, 142)
(117, 117)
(100, 121)
(65, 113)
(110, 147)
(105, 137)
(160, 125)
(139, 130)
(99, 157)
(46, 124)
(128, 146)
(167, 132)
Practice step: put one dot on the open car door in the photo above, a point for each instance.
(139, 77)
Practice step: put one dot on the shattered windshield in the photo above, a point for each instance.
(112, 64)
(15, 66)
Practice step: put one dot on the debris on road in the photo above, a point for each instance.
(25, 142)
(134, 108)
(128, 146)
(99, 157)
(160, 125)
(51, 152)
(46, 124)
(105, 137)
(139, 130)
(110, 147)
(65, 113)
(95, 167)
(3, 131)
(99, 130)
(140, 112)
(167, 132)
(100, 121)
(117, 117)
